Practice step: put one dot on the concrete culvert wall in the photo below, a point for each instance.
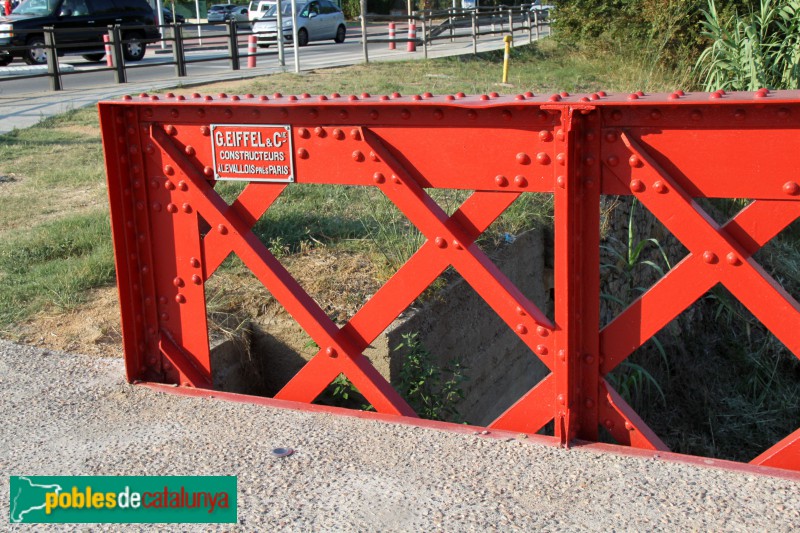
(453, 324)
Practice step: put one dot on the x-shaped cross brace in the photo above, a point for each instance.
(717, 255)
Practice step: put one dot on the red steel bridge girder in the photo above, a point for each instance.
(172, 230)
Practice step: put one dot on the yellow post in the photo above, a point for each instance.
(507, 39)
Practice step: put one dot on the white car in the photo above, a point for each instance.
(317, 20)
(259, 7)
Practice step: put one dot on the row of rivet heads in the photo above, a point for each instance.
(790, 188)
(659, 187)
(139, 263)
(738, 114)
(522, 158)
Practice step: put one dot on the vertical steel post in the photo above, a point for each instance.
(52, 59)
(279, 33)
(536, 23)
(450, 13)
(233, 44)
(177, 50)
(119, 59)
(474, 34)
(530, 30)
(511, 24)
(424, 37)
(364, 30)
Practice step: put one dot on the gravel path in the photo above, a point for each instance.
(71, 414)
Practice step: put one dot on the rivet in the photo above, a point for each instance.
(373, 156)
(483, 97)
(520, 181)
(655, 114)
(162, 300)
(168, 170)
(523, 158)
(561, 158)
(616, 115)
(472, 115)
(501, 181)
(739, 114)
(330, 351)
(205, 130)
(186, 208)
(156, 206)
(545, 136)
(355, 134)
(560, 135)
(172, 208)
(696, 115)
(710, 257)
(438, 114)
(338, 134)
(506, 114)
(561, 399)
(145, 269)
(783, 113)
(562, 355)
(194, 262)
(396, 94)
(762, 93)
(714, 96)
(542, 331)
(554, 98)
(612, 160)
(189, 150)
(343, 114)
(208, 171)
(542, 158)
(541, 349)
(589, 403)
(180, 298)
(520, 310)
(133, 149)
(303, 133)
(637, 186)
(543, 116)
(440, 242)
(427, 95)
(609, 423)
(358, 156)
(378, 178)
(302, 153)
(791, 188)
(182, 185)
(591, 135)
(178, 282)
(456, 244)
(405, 114)
(197, 280)
(521, 329)
(322, 98)
(460, 95)
(633, 96)
(635, 162)
(561, 181)
(396, 180)
(629, 426)
(170, 129)
(611, 136)
(528, 94)
(223, 229)
(313, 113)
(149, 149)
(588, 359)
(660, 187)
(319, 132)
(374, 114)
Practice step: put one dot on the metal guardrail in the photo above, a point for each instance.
(435, 26)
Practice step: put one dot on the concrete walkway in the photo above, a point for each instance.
(70, 414)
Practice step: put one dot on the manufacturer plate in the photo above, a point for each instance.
(252, 152)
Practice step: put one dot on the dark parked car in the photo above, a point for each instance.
(226, 12)
(80, 26)
(168, 16)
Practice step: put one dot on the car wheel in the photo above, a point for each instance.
(302, 37)
(135, 48)
(5, 60)
(94, 58)
(341, 31)
(37, 54)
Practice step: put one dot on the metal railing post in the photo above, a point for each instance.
(279, 33)
(364, 30)
(52, 59)
(177, 50)
(450, 12)
(474, 33)
(115, 34)
(530, 30)
(424, 37)
(511, 24)
(536, 23)
(233, 44)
